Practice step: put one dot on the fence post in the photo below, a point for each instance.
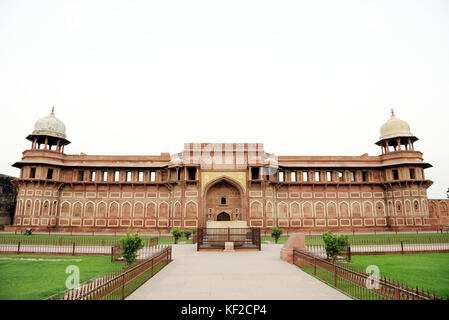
(349, 253)
(314, 265)
(335, 275)
(123, 286)
(73, 251)
(402, 247)
(18, 247)
(152, 267)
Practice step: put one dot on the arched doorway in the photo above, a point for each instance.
(223, 196)
(223, 217)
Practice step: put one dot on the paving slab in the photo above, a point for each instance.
(239, 275)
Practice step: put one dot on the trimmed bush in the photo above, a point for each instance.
(177, 233)
(129, 246)
(334, 244)
(276, 233)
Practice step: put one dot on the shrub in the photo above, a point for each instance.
(130, 244)
(28, 232)
(334, 244)
(177, 233)
(187, 234)
(193, 231)
(276, 233)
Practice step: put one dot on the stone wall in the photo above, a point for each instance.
(8, 194)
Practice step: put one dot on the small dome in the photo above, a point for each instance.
(395, 128)
(51, 126)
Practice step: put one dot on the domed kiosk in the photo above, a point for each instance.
(49, 134)
(395, 135)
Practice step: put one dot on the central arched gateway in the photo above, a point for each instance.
(223, 200)
(223, 217)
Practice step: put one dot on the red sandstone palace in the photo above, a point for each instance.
(60, 192)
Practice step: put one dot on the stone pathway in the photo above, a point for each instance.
(251, 275)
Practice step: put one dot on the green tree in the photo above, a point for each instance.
(187, 234)
(129, 245)
(447, 193)
(334, 244)
(276, 233)
(177, 233)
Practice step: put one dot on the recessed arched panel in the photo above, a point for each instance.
(331, 210)
(151, 210)
(114, 210)
(256, 210)
(138, 210)
(282, 210)
(307, 210)
(343, 210)
(319, 210)
(89, 209)
(368, 209)
(126, 210)
(102, 210)
(380, 209)
(191, 210)
(77, 209)
(295, 212)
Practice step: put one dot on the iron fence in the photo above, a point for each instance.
(64, 246)
(119, 285)
(389, 246)
(356, 283)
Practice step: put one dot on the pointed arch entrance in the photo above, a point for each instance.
(224, 216)
(223, 198)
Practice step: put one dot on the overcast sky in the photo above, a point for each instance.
(302, 77)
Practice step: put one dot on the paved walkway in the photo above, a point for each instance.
(250, 275)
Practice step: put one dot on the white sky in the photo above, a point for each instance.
(302, 77)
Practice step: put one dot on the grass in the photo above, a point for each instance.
(428, 271)
(85, 239)
(317, 240)
(32, 280)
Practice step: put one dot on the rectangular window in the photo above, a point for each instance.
(255, 173)
(116, 175)
(293, 176)
(305, 176)
(412, 174)
(128, 175)
(317, 176)
(33, 173)
(92, 175)
(191, 173)
(105, 176)
(50, 174)
(140, 175)
(395, 175)
(281, 176)
(352, 176)
(340, 176)
(152, 176)
(364, 176)
(223, 200)
(179, 173)
(329, 175)
(80, 175)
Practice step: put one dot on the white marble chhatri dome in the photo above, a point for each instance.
(51, 126)
(395, 128)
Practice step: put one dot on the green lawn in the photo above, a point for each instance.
(428, 271)
(85, 239)
(32, 280)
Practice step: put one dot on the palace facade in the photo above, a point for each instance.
(236, 181)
